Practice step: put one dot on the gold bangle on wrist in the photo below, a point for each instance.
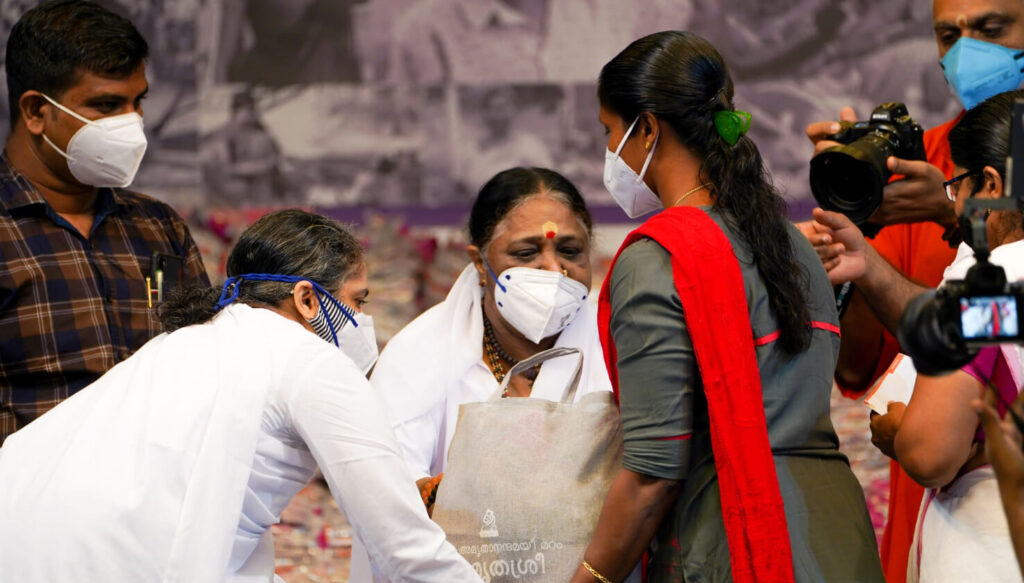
(594, 572)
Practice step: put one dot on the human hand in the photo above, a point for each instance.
(820, 132)
(820, 237)
(885, 427)
(1003, 447)
(845, 257)
(917, 197)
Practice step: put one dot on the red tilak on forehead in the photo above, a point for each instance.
(549, 229)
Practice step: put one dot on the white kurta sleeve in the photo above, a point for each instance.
(418, 439)
(342, 421)
(416, 412)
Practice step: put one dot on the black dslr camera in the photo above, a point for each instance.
(942, 330)
(849, 178)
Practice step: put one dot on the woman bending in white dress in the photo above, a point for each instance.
(174, 464)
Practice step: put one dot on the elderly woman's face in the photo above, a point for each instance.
(542, 233)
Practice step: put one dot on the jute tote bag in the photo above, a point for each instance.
(526, 479)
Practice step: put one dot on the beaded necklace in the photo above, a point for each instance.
(492, 342)
(493, 357)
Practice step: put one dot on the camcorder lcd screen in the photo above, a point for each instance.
(989, 317)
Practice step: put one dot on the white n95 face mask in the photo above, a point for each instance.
(354, 331)
(536, 302)
(626, 186)
(105, 152)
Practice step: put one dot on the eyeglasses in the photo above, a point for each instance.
(951, 185)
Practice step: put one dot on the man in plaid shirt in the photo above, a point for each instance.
(75, 248)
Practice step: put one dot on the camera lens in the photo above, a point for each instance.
(849, 178)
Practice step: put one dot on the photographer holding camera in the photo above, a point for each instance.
(962, 533)
(918, 217)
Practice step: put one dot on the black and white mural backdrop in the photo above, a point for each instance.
(347, 104)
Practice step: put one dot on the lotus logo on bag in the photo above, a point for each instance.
(490, 527)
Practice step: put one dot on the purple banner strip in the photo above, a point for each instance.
(458, 215)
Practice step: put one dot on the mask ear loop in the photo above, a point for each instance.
(66, 110)
(234, 283)
(345, 310)
(647, 162)
(626, 136)
(330, 324)
(494, 277)
(72, 114)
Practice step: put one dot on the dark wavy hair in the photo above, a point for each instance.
(52, 44)
(507, 189)
(982, 136)
(681, 80)
(288, 242)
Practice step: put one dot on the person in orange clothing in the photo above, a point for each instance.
(961, 534)
(919, 221)
(920, 251)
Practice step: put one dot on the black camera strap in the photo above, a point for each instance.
(843, 294)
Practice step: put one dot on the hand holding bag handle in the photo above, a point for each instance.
(570, 390)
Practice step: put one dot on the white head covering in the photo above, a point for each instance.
(435, 364)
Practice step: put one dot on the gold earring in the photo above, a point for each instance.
(647, 145)
(565, 272)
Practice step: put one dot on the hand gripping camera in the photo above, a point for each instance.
(942, 330)
(849, 178)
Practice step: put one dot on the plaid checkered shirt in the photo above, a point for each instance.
(72, 307)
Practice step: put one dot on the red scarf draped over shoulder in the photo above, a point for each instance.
(710, 285)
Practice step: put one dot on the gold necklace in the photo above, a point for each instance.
(692, 190)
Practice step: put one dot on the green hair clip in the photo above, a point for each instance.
(732, 124)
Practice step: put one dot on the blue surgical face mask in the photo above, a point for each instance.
(977, 70)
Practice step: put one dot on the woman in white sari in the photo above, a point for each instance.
(526, 289)
(962, 533)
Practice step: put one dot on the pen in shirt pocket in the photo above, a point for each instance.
(165, 275)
